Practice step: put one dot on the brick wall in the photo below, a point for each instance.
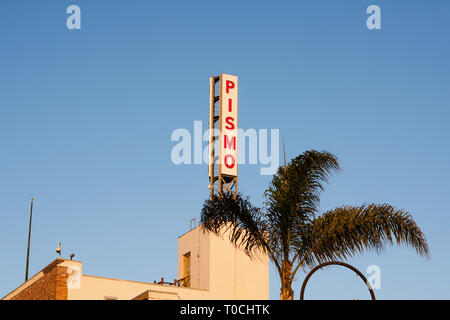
(52, 285)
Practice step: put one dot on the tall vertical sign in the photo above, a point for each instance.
(228, 125)
(223, 138)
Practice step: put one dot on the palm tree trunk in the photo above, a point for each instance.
(286, 282)
(287, 293)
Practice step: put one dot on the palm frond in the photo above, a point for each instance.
(293, 195)
(345, 231)
(296, 187)
(234, 213)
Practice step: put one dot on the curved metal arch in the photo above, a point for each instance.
(320, 266)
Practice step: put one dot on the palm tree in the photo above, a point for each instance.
(291, 230)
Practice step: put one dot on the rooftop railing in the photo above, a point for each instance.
(183, 282)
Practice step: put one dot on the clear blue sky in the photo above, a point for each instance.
(86, 117)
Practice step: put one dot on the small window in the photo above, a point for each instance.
(187, 264)
(186, 269)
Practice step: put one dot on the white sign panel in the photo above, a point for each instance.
(228, 125)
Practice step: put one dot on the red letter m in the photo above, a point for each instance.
(231, 144)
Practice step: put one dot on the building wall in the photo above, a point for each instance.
(198, 243)
(234, 274)
(49, 284)
(252, 276)
(227, 272)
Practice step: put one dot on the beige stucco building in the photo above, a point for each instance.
(209, 267)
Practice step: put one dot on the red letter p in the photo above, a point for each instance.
(229, 85)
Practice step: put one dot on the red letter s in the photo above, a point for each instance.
(229, 121)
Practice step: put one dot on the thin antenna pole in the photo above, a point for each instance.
(284, 153)
(29, 237)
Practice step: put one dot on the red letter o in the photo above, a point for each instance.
(229, 166)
